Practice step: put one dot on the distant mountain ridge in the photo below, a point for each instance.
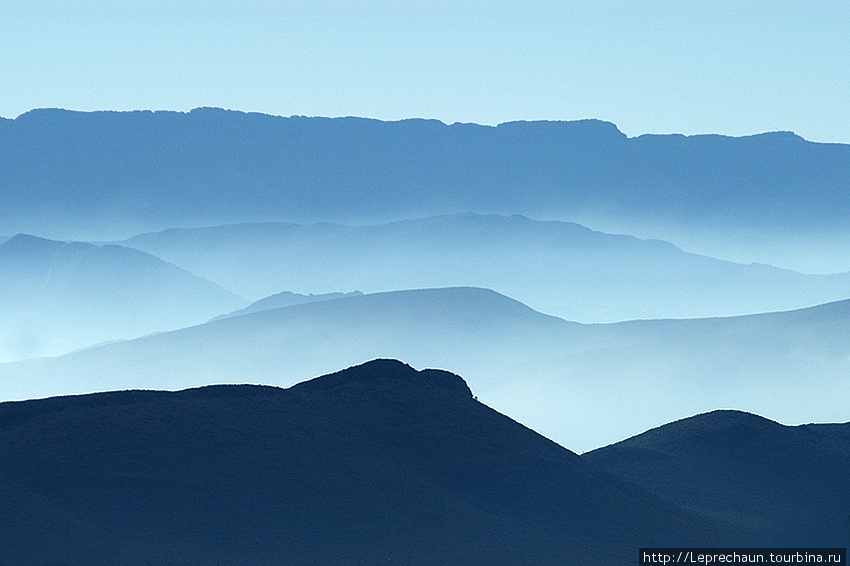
(375, 464)
(58, 296)
(560, 268)
(282, 343)
(580, 385)
(114, 171)
(286, 299)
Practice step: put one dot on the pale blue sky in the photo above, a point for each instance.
(726, 67)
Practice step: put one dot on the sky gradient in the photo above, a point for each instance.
(733, 68)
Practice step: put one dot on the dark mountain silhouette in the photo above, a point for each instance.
(582, 385)
(373, 465)
(789, 481)
(286, 299)
(117, 171)
(559, 268)
(57, 296)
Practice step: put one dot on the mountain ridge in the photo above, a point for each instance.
(373, 469)
(545, 372)
(286, 299)
(167, 161)
(561, 268)
(59, 296)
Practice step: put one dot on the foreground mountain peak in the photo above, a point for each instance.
(393, 373)
(376, 464)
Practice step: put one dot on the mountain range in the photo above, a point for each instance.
(589, 285)
(559, 268)
(382, 463)
(375, 464)
(89, 175)
(581, 385)
(58, 296)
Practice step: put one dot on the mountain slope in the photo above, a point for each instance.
(791, 481)
(556, 267)
(280, 346)
(582, 385)
(120, 170)
(286, 299)
(57, 296)
(375, 464)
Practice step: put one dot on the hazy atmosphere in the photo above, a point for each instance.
(649, 66)
(424, 283)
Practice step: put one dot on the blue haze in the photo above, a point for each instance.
(650, 66)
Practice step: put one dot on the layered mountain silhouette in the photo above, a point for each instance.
(788, 481)
(57, 296)
(380, 463)
(582, 385)
(375, 464)
(287, 299)
(281, 346)
(559, 268)
(113, 171)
